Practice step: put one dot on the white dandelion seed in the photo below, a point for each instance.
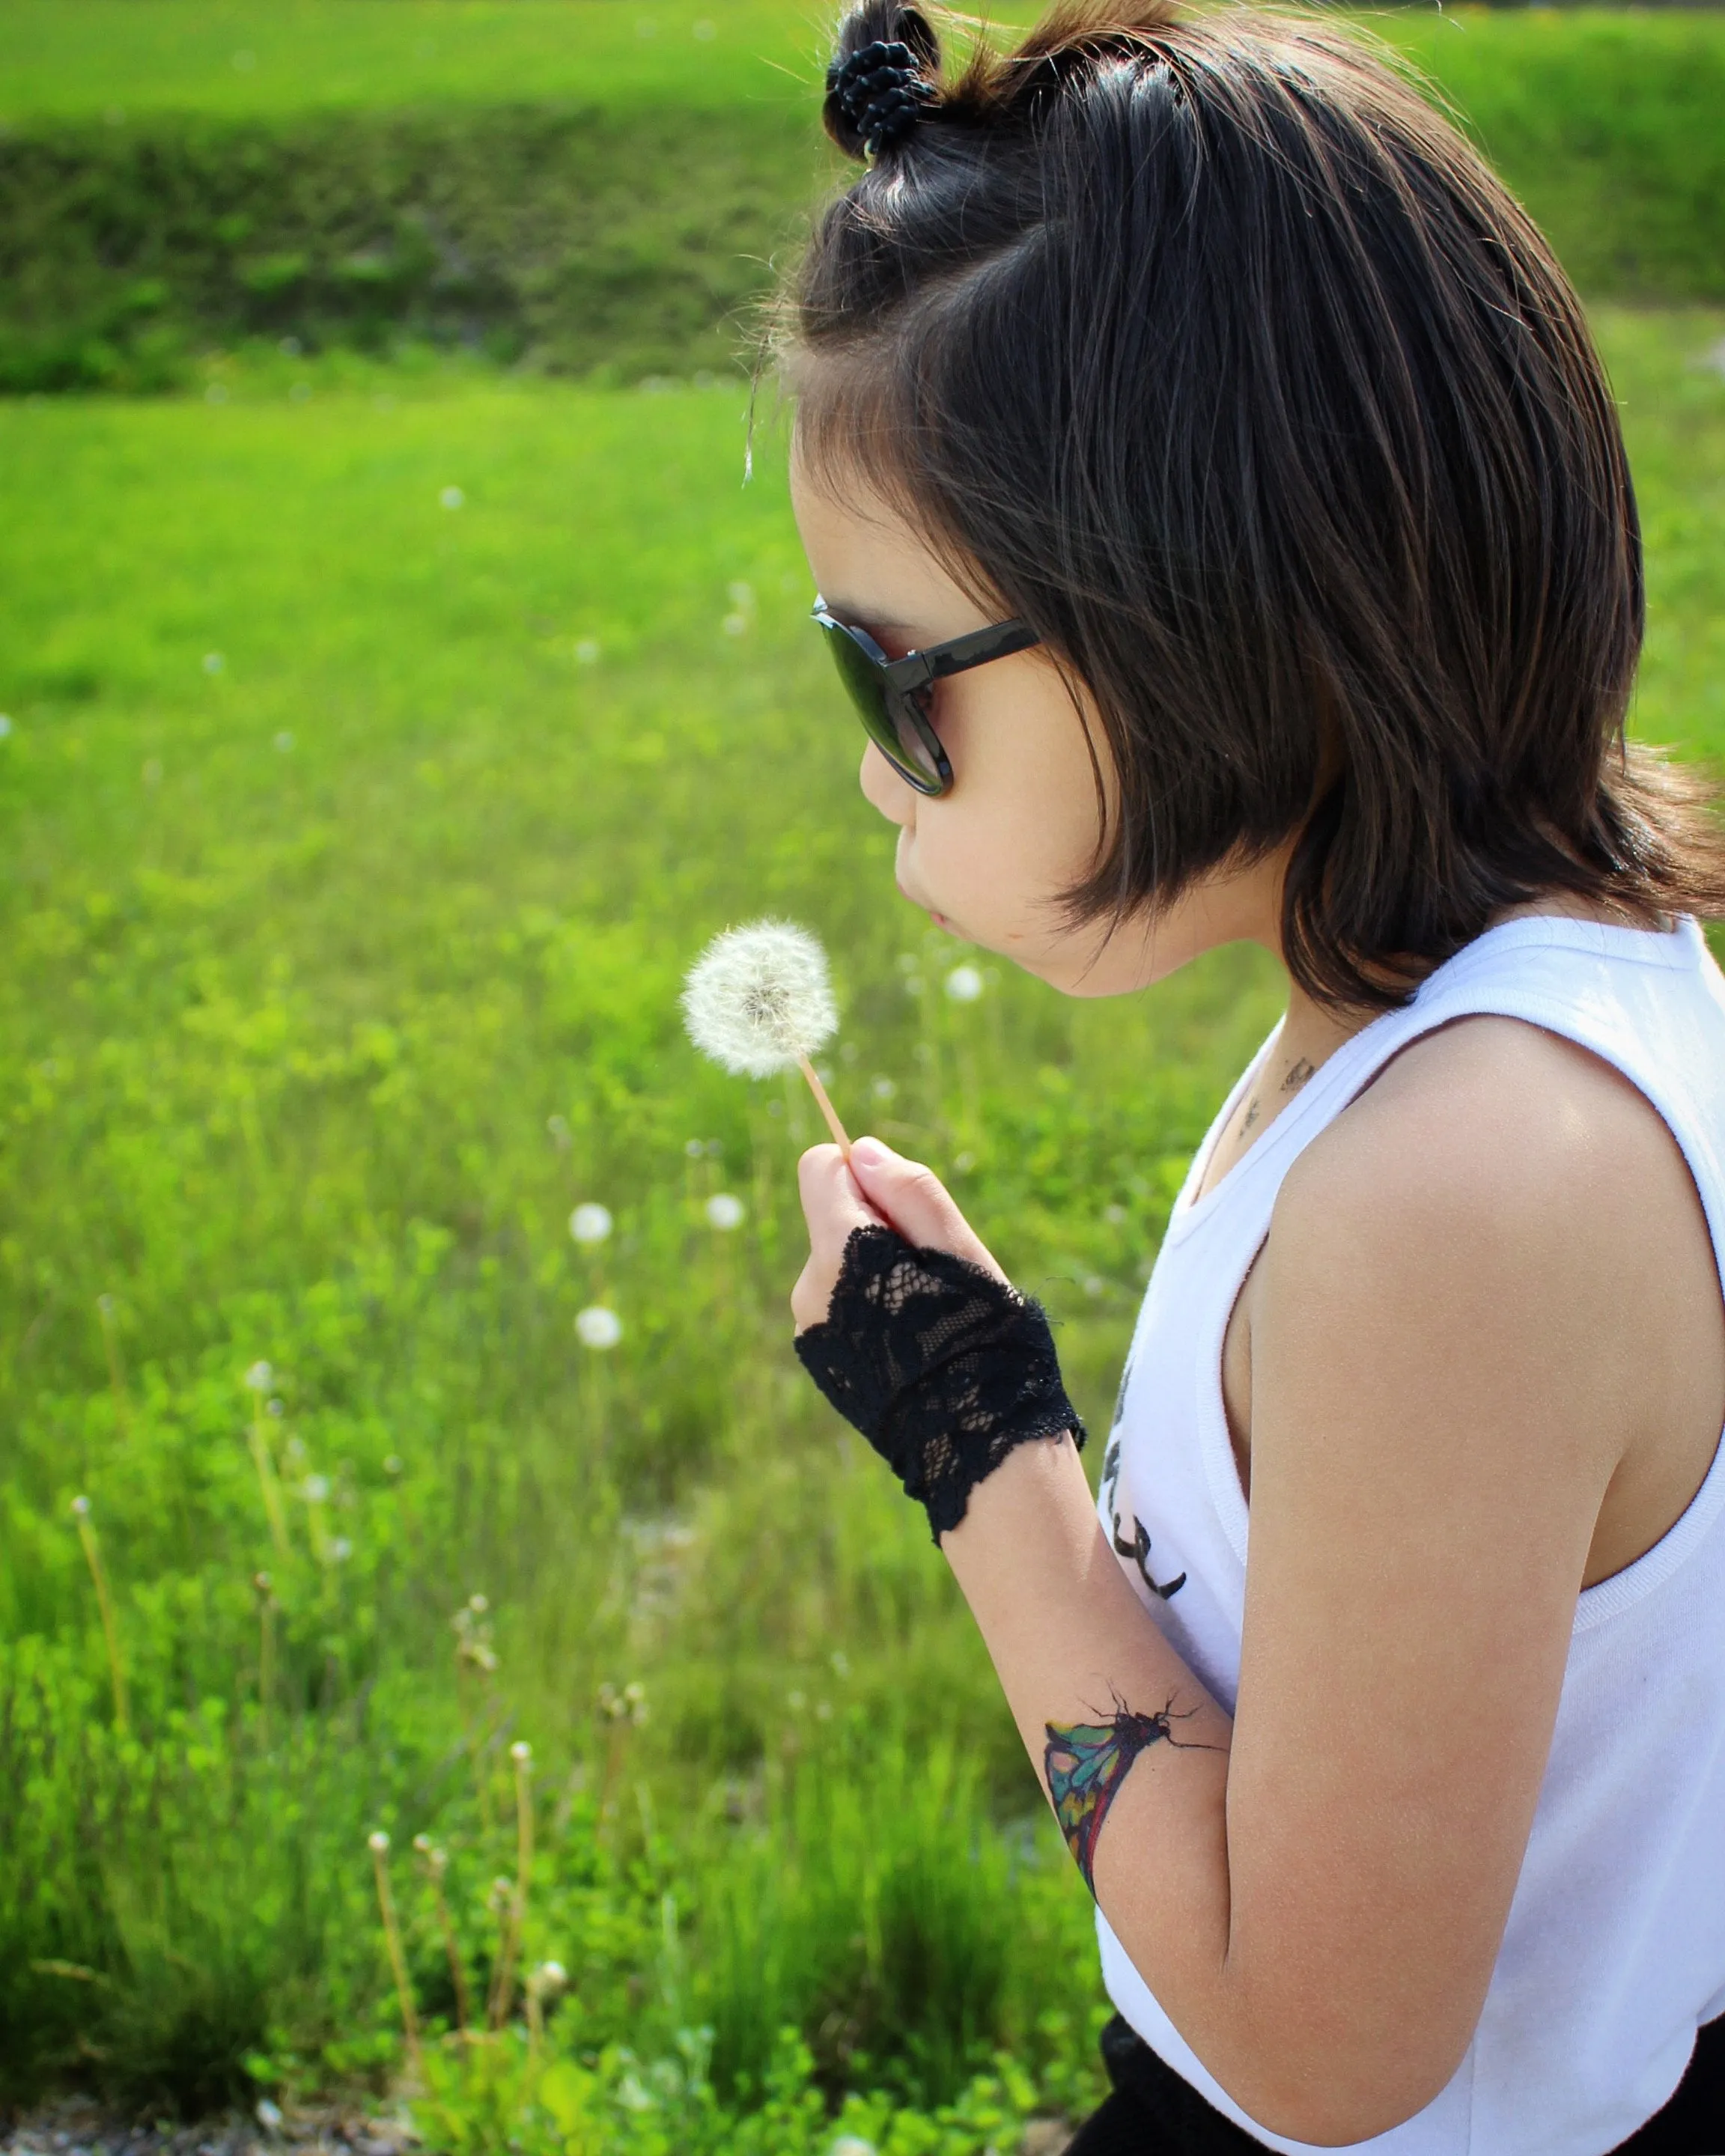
(590, 1224)
(596, 1327)
(724, 1212)
(758, 1000)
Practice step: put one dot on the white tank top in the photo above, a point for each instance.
(1614, 1950)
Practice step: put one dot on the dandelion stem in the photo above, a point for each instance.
(93, 1558)
(397, 1959)
(825, 1105)
(259, 1442)
(516, 1919)
(266, 1644)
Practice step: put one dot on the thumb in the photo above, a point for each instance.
(915, 1200)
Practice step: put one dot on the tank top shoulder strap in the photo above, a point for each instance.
(1651, 1003)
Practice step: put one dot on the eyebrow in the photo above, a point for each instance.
(881, 625)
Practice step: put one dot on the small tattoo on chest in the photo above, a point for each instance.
(1298, 1076)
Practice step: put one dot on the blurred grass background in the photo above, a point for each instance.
(386, 728)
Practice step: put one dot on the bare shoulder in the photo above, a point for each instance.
(1503, 1185)
(1494, 1121)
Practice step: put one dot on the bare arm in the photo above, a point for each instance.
(1439, 1401)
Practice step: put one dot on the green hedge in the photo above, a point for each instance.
(575, 240)
(632, 239)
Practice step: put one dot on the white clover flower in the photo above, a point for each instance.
(590, 1224)
(452, 497)
(964, 984)
(259, 1378)
(759, 998)
(724, 1212)
(596, 1327)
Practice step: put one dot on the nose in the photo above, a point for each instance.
(883, 790)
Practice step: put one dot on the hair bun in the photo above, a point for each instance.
(879, 84)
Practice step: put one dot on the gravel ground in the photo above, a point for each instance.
(74, 2128)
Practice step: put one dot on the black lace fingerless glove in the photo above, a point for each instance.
(940, 1365)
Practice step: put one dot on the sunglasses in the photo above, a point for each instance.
(892, 695)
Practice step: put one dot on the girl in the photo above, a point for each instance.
(1223, 529)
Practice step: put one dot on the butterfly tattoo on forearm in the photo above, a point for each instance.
(1087, 1762)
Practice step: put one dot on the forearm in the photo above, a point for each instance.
(1072, 1645)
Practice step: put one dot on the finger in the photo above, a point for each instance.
(916, 1202)
(832, 1200)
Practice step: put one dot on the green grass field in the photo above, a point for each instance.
(381, 746)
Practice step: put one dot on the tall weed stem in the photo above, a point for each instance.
(379, 1847)
(93, 1558)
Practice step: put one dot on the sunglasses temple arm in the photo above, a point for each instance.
(826, 1107)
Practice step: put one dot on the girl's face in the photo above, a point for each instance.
(1021, 823)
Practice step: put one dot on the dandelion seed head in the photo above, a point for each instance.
(213, 661)
(520, 1752)
(724, 1212)
(587, 651)
(452, 497)
(341, 1549)
(80, 1508)
(316, 1489)
(759, 998)
(549, 1979)
(259, 1378)
(590, 1224)
(596, 1327)
(377, 1841)
(964, 984)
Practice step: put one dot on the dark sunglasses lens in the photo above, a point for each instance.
(898, 740)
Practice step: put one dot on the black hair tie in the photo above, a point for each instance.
(880, 90)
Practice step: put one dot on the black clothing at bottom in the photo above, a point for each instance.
(1154, 2113)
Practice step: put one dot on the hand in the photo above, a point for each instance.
(879, 1188)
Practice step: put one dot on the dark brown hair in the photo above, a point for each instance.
(1212, 349)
